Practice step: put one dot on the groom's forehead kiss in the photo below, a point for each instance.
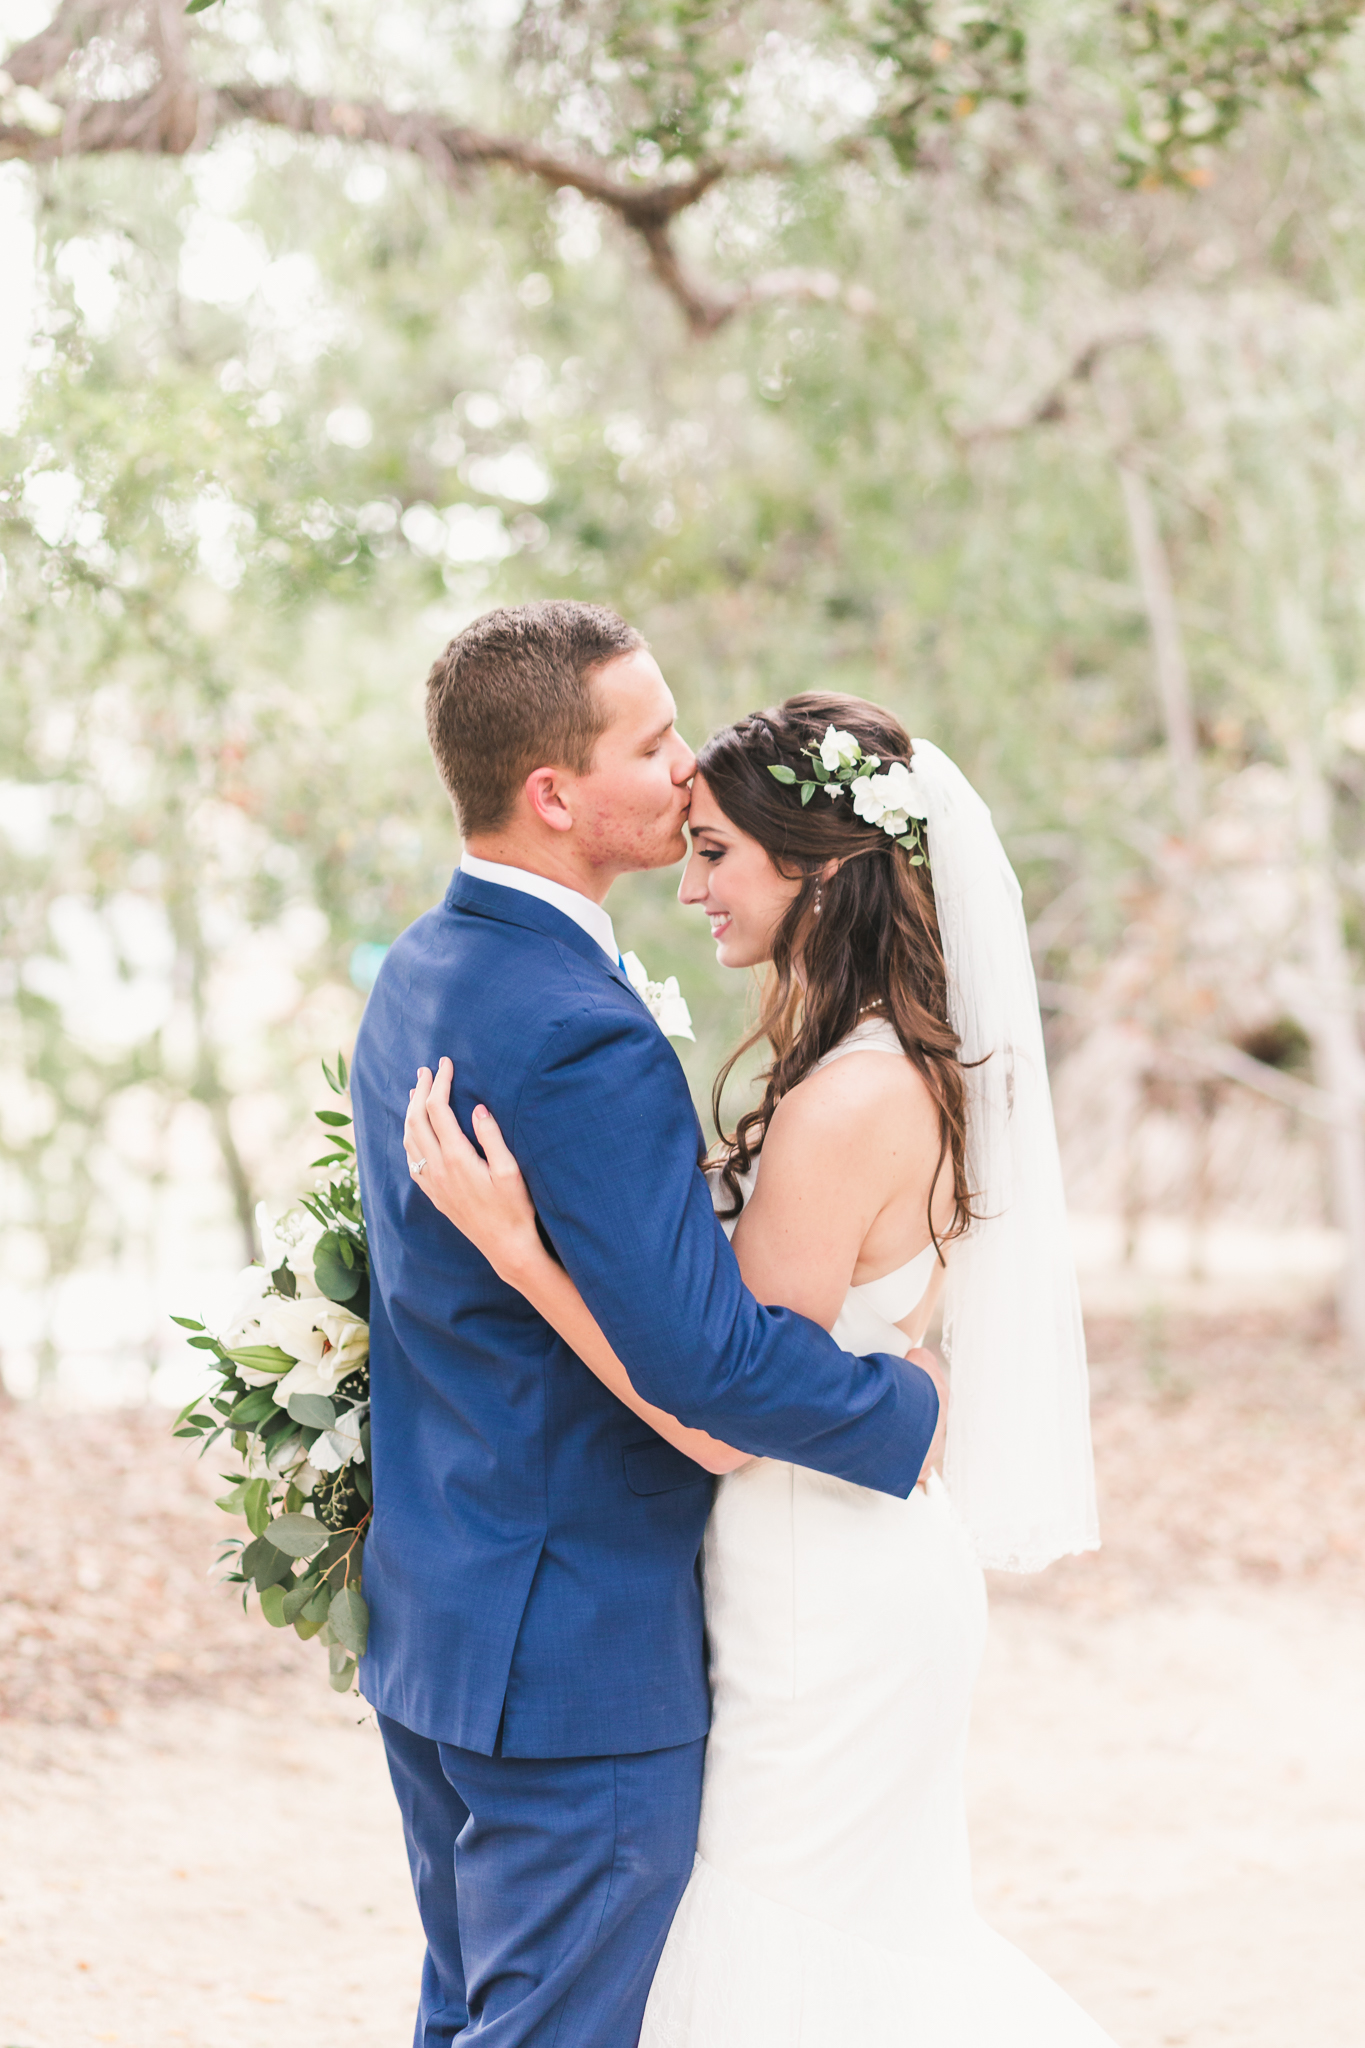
(639, 736)
(555, 734)
(639, 713)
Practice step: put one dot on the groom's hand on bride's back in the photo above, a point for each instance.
(930, 1362)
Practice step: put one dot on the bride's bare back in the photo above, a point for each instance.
(849, 1162)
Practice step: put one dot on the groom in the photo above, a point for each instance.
(536, 1656)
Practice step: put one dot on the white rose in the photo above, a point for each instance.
(866, 801)
(889, 800)
(839, 750)
(284, 1453)
(673, 1016)
(289, 1240)
(301, 1259)
(324, 1456)
(900, 791)
(339, 1446)
(663, 999)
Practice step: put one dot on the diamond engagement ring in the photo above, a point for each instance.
(417, 1166)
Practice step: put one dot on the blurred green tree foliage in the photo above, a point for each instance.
(295, 409)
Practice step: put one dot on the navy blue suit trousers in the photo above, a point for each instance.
(546, 1887)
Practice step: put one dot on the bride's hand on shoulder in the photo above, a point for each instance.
(486, 1199)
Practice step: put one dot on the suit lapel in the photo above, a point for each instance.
(513, 906)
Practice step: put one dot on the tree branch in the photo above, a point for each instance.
(38, 61)
(176, 115)
(1209, 1055)
(1049, 404)
(706, 311)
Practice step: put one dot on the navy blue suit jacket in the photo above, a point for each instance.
(533, 1564)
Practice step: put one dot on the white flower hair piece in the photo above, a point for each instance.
(841, 768)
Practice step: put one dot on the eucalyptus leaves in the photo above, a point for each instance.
(293, 1400)
(841, 768)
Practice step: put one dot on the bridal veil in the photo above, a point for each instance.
(1018, 1465)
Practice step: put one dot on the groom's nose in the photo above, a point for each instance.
(685, 767)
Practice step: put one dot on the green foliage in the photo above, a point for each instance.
(239, 524)
(315, 1411)
(272, 1605)
(940, 63)
(338, 1273)
(1197, 70)
(306, 1567)
(686, 61)
(349, 1620)
(298, 1535)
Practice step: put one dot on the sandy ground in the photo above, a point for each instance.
(198, 1845)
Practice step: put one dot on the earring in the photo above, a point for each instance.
(819, 892)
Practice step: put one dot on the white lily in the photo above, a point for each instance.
(322, 1376)
(315, 1331)
(240, 1324)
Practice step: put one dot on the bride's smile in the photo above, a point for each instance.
(730, 877)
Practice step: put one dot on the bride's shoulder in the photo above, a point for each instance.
(852, 1103)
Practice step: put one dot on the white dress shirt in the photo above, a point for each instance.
(589, 916)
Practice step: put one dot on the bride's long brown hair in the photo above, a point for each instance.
(866, 939)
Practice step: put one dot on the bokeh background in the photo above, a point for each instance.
(1006, 365)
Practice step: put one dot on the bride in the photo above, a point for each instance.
(903, 1146)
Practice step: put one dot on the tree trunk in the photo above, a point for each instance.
(1172, 674)
(207, 1085)
(1329, 1018)
(1168, 648)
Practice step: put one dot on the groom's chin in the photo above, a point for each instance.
(670, 852)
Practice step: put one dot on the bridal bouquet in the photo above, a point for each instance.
(292, 1398)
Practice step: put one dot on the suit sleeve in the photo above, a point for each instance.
(606, 1137)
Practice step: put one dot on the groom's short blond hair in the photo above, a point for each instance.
(514, 691)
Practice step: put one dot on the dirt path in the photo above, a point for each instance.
(1168, 1813)
(198, 1844)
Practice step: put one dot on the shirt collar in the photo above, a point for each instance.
(587, 915)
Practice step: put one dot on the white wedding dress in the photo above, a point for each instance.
(831, 1901)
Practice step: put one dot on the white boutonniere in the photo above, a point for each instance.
(663, 999)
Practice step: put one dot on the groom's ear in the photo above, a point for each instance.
(544, 791)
